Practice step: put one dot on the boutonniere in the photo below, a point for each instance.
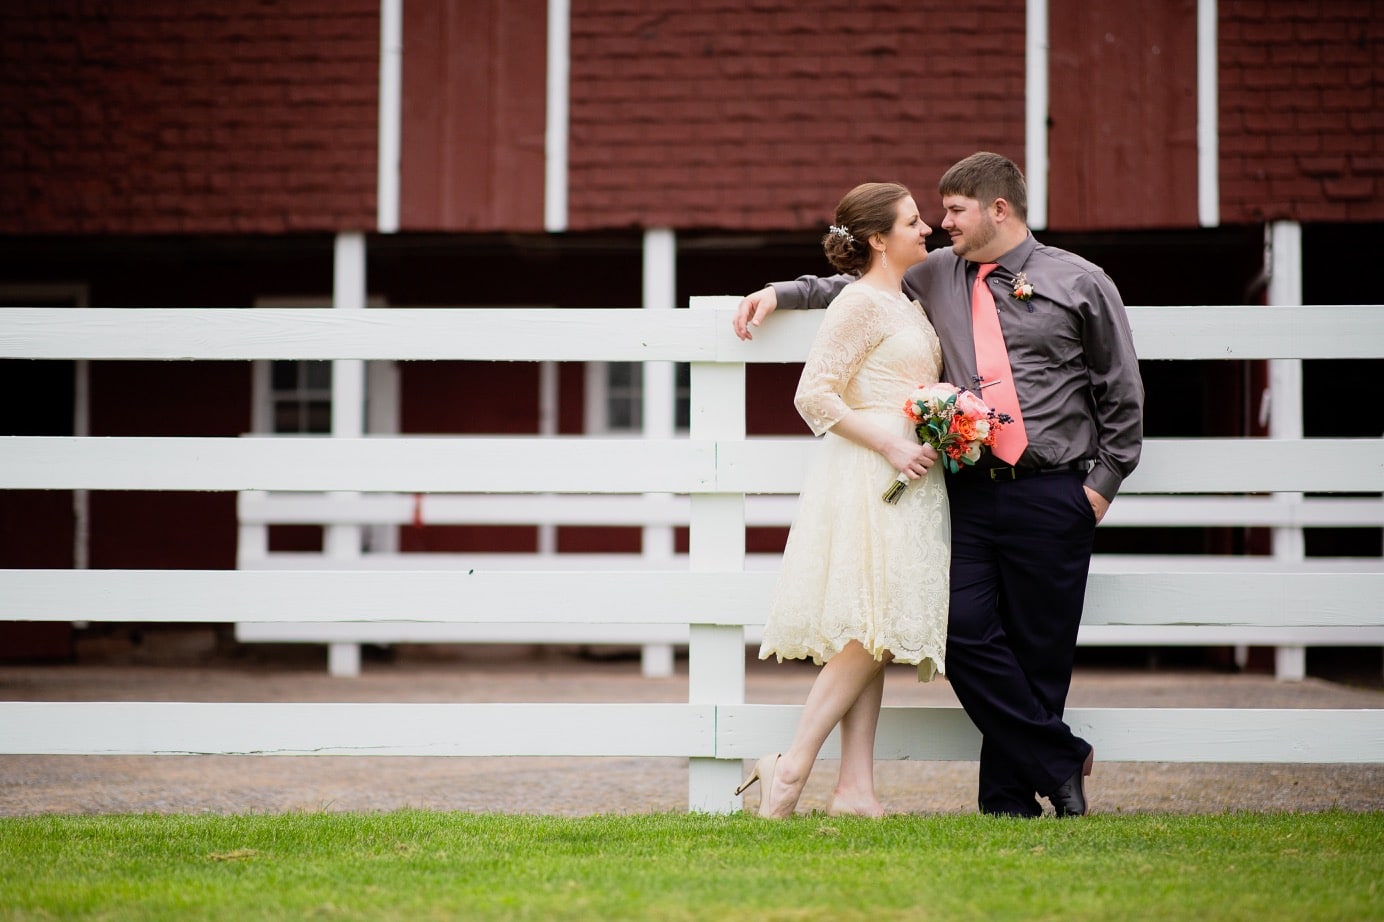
(1023, 288)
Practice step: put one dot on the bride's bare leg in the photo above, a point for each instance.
(835, 691)
(855, 785)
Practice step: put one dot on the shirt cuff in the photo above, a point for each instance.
(1104, 481)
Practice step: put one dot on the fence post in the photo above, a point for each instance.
(1285, 413)
(252, 541)
(716, 542)
(343, 542)
(659, 417)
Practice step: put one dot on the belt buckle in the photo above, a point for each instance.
(1003, 473)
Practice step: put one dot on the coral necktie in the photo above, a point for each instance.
(992, 364)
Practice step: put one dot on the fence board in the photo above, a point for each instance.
(731, 731)
(413, 729)
(1167, 466)
(567, 335)
(1118, 734)
(1243, 512)
(1212, 635)
(479, 334)
(1268, 598)
(565, 597)
(510, 632)
(585, 633)
(258, 508)
(1160, 332)
(1255, 332)
(496, 509)
(583, 465)
(388, 464)
(461, 560)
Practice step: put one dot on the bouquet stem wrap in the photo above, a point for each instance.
(896, 488)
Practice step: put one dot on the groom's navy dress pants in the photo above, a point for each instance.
(1020, 553)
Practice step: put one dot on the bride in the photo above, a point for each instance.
(864, 582)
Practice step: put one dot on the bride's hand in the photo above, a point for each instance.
(909, 458)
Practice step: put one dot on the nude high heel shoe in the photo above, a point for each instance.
(763, 772)
(873, 811)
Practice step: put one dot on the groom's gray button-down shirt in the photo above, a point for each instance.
(1070, 350)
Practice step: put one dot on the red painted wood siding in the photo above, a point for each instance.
(473, 119)
(134, 529)
(1122, 142)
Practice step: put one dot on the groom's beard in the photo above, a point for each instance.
(976, 239)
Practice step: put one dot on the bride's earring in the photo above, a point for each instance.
(884, 259)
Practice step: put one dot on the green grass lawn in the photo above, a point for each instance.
(421, 865)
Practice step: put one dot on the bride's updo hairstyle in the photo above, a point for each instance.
(868, 209)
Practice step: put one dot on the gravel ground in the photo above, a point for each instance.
(574, 786)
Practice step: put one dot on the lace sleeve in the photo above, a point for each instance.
(850, 330)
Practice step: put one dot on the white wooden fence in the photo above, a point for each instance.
(258, 510)
(716, 467)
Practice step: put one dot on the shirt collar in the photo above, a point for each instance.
(1014, 260)
(1010, 263)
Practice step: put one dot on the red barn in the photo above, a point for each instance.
(610, 153)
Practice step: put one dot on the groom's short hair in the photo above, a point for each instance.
(985, 177)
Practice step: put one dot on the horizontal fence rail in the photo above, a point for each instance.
(262, 508)
(562, 464)
(413, 729)
(724, 481)
(1287, 599)
(1124, 734)
(652, 730)
(577, 335)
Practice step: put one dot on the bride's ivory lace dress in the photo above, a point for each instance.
(856, 567)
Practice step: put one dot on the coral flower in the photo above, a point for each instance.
(955, 422)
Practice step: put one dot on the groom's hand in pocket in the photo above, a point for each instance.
(1099, 504)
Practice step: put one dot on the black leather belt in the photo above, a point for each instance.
(1004, 474)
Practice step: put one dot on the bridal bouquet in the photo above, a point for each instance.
(955, 422)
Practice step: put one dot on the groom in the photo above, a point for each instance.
(1024, 517)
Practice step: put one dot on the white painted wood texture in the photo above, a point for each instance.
(575, 335)
(480, 334)
(716, 546)
(415, 729)
(723, 734)
(713, 599)
(593, 633)
(723, 597)
(1101, 563)
(571, 464)
(1118, 734)
(261, 508)
(585, 633)
(257, 510)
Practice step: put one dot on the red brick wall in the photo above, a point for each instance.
(168, 116)
(761, 115)
(1301, 110)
